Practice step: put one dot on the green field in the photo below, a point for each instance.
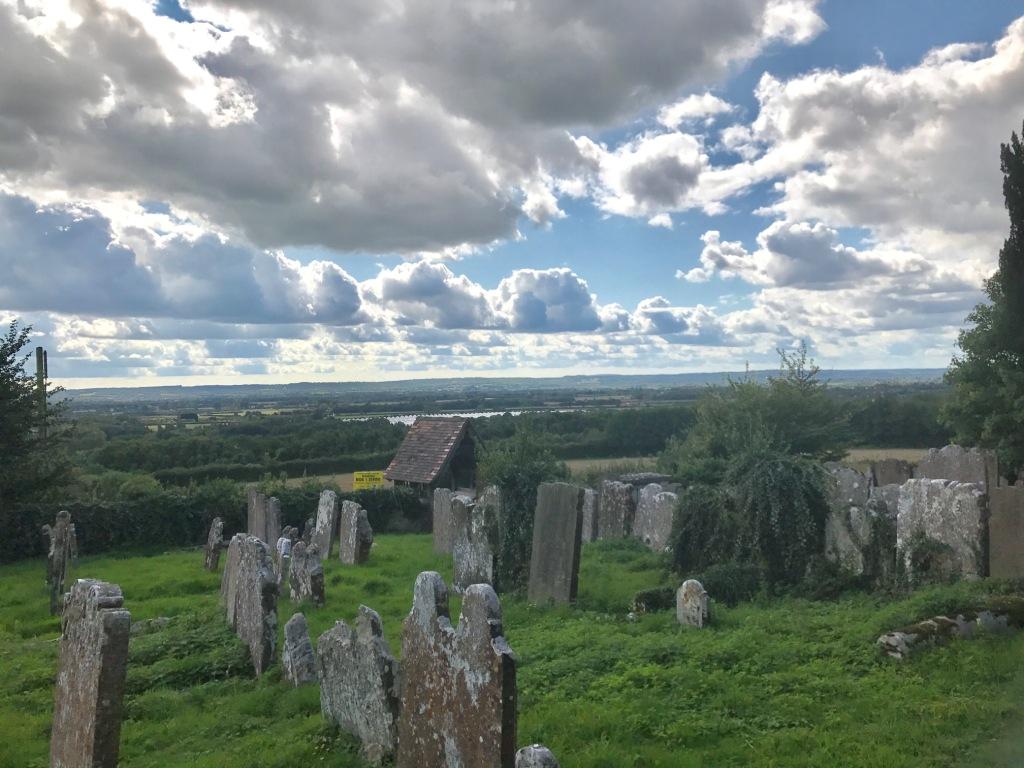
(781, 682)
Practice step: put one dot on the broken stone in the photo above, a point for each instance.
(616, 510)
(359, 683)
(214, 544)
(356, 535)
(1006, 532)
(249, 594)
(297, 655)
(306, 574)
(555, 557)
(472, 555)
(692, 604)
(326, 523)
(444, 540)
(89, 693)
(654, 513)
(990, 622)
(589, 515)
(459, 688)
(891, 472)
(965, 465)
(947, 512)
(58, 560)
(536, 756)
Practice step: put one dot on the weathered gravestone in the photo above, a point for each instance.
(536, 756)
(692, 604)
(263, 517)
(459, 683)
(472, 528)
(555, 558)
(589, 532)
(359, 683)
(356, 535)
(91, 672)
(63, 547)
(307, 530)
(248, 591)
(326, 523)
(616, 510)
(214, 544)
(306, 574)
(654, 513)
(1006, 532)
(947, 513)
(848, 526)
(965, 465)
(891, 472)
(442, 521)
(297, 656)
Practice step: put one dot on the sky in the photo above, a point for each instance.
(250, 191)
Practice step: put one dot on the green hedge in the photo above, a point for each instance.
(292, 468)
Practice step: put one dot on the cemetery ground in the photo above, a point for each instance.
(774, 682)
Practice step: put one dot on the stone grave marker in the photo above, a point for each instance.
(536, 756)
(891, 472)
(63, 546)
(589, 531)
(965, 465)
(326, 523)
(306, 574)
(654, 513)
(616, 510)
(442, 521)
(692, 604)
(297, 656)
(214, 544)
(249, 594)
(947, 512)
(1006, 532)
(472, 554)
(356, 535)
(555, 557)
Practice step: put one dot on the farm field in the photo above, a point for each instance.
(781, 682)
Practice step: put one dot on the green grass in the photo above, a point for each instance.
(781, 683)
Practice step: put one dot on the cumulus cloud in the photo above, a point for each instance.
(693, 107)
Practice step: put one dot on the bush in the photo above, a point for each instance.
(703, 528)
(652, 600)
(731, 583)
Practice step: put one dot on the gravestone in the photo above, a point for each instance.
(616, 510)
(589, 532)
(692, 604)
(459, 683)
(555, 557)
(307, 530)
(848, 526)
(442, 521)
(847, 486)
(214, 544)
(891, 472)
(63, 545)
(326, 523)
(536, 756)
(273, 520)
(297, 656)
(249, 592)
(256, 514)
(306, 574)
(965, 465)
(1006, 532)
(654, 513)
(472, 554)
(91, 672)
(359, 683)
(947, 512)
(355, 534)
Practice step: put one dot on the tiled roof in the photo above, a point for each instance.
(427, 447)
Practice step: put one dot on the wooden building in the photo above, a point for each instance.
(438, 452)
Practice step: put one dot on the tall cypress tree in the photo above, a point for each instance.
(987, 406)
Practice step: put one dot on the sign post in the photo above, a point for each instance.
(365, 481)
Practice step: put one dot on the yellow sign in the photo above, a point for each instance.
(364, 481)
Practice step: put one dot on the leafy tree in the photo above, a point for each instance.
(30, 436)
(987, 406)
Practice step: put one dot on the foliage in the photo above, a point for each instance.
(703, 528)
(987, 406)
(517, 466)
(889, 419)
(653, 599)
(731, 583)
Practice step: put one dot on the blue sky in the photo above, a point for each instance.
(227, 191)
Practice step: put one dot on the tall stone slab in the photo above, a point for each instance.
(589, 515)
(355, 534)
(654, 513)
(326, 523)
(947, 512)
(63, 546)
(965, 465)
(249, 594)
(1006, 532)
(891, 472)
(536, 756)
(256, 515)
(459, 687)
(616, 510)
(214, 544)
(692, 604)
(444, 540)
(473, 528)
(91, 673)
(306, 574)
(359, 683)
(272, 520)
(297, 656)
(848, 526)
(555, 557)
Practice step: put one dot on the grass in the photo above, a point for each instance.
(784, 682)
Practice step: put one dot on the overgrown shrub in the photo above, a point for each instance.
(732, 582)
(703, 528)
(652, 600)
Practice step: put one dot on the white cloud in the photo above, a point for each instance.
(693, 107)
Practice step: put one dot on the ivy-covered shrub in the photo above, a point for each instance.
(732, 582)
(652, 600)
(703, 528)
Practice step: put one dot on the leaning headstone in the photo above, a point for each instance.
(214, 544)
(58, 559)
(947, 512)
(555, 557)
(472, 554)
(692, 604)
(654, 513)
(88, 696)
(355, 534)
(891, 472)
(536, 756)
(965, 465)
(1006, 532)
(616, 510)
(326, 522)
(442, 523)
(249, 594)
(297, 656)
(359, 683)
(306, 574)
(589, 515)
(459, 683)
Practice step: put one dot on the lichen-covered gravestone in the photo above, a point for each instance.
(848, 525)
(692, 604)
(442, 521)
(326, 523)
(536, 756)
(58, 558)
(306, 574)
(91, 672)
(589, 532)
(459, 683)
(297, 656)
(965, 465)
(555, 557)
(472, 526)
(248, 591)
(616, 510)
(359, 682)
(263, 517)
(947, 513)
(654, 513)
(214, 544)
(1006, 532)
(355, 534)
